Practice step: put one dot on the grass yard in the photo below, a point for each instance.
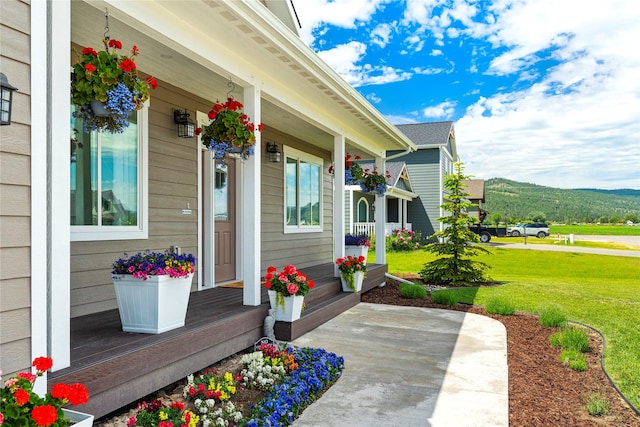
(552, 240)
(598, 230)
(598, 290)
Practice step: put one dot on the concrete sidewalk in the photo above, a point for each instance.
(410, 366)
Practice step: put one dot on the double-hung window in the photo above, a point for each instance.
(108, 182)
(303, 192)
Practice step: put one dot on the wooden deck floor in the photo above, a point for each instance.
(120, 367)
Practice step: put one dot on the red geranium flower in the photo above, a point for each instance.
(21, 397)
(134, 50)
(127, 65)
(89, 51)
(90, 68)
(152, 82)
(42, 363)
(78, 394)
(115, 43)
(44, 415)
(60, 391)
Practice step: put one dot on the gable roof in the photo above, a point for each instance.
(428, 134)
(475, 189)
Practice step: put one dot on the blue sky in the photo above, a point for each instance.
(541, 91)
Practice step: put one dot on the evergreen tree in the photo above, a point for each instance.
(455, 244)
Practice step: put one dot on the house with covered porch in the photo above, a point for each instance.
(66, 213)
(361, 206)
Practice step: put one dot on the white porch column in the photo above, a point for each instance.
(250, 225)
(39, 245)
(404, 212)
(58, 201)
(339, 151)
(380, 217)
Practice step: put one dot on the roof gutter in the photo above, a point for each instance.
(404, 153)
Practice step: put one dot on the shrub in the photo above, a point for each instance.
(571, 338)
(500, 305)
(404, 240)
(556, 339)
(574, 338)
(597, 405)
(412, 291)
(553, 316)
(444, 297)
(574, 359)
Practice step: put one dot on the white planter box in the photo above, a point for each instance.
(291, 310)
(152, 306)
(358, 277)
(356, 251)
(78, 419)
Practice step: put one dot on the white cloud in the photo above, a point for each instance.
(414, 43)
(344, 59)
(373, 98)
(443, 110)
(381, 34)
(341, 13)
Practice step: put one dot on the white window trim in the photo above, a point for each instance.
(290, 152)
(84, 233)
(358, 208)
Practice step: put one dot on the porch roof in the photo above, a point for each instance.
(199, 46)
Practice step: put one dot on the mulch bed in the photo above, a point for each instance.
(542, 391)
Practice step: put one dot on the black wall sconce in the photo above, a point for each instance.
(7, 99)
(273, 152)
(186, 127)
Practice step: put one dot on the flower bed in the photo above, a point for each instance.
(269, 387)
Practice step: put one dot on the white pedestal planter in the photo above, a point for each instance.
(358, 278)
(356, 251)
(291, 310)
(78, 419)
(152, 306)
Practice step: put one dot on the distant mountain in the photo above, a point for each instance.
(620, 192)
(519, 199)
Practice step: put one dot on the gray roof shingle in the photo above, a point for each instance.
(428, 134)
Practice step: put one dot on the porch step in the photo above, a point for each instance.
(326, 301)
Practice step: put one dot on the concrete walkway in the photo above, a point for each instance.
(410, 366)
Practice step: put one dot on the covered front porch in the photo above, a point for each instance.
(120, 368)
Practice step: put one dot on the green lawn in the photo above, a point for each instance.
(553, 240)
(598, 290)
(602, 230)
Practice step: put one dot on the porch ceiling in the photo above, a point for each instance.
(199, 46)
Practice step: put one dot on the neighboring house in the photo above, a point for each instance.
(475, 189)
(55, 264)
(359, 216)
(428, 167)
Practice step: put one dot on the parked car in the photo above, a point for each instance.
(538, 229)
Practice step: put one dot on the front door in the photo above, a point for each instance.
(225, 221)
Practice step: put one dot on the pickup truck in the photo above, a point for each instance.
(486, 232)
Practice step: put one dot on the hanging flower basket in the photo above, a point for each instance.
(375, 183)
(109, 81)
(353, 172)
(230, 131)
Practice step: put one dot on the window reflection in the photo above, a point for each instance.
(104, 176)
(221, 193)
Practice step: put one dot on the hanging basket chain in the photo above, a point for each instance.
(106, 29)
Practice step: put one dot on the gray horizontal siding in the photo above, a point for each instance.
(300, 249)
(424, 170)
(15, 192)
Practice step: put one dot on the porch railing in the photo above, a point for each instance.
(369, 228)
